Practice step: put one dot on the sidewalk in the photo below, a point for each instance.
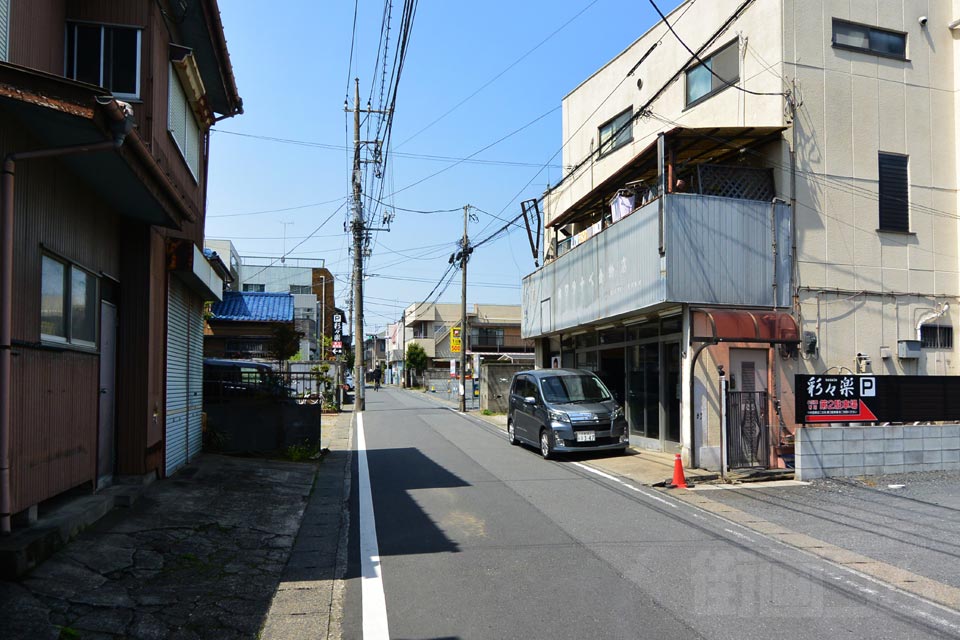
(200, 555)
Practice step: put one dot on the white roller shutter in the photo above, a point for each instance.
(195, 379)
(178, 349)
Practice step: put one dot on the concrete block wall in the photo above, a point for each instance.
(829, 452)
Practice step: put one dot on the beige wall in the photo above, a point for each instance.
(588, 106)
(855, 105)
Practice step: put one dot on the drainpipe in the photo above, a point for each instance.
(694, 452)
(931, 316)
(120, 131)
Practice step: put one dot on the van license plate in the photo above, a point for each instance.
(586, 436)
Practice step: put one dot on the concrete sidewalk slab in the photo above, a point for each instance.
(200, 555)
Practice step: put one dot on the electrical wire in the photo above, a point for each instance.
(499, 75)
(294, 208)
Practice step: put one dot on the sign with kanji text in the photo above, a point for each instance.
(455, 340)
(336, 340)
(853, 398)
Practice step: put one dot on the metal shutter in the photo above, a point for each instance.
(177, 376)
(4, 29)
(894, 193)
(195, 379)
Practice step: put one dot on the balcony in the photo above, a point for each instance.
(500, 344)
(715, 251)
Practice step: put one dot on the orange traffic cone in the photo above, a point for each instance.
(678, 482)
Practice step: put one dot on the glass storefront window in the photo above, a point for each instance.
(643, 390)
(586, 340)
(612, 336)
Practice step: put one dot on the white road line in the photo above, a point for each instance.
(374, 601)
(607, 476)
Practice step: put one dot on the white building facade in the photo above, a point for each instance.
(782, 201)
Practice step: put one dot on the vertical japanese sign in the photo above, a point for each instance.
(455, 340)
(336, 339)
(835, 398)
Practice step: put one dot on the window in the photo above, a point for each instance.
(894, 193)
(68, 303)
(301, 288)
(182, 125)
(108, 57)
(254, 288)
(717, 72)
(934, 336)
(617, 132)
(858, 37)
(4, 28)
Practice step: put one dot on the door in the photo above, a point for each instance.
(106, 430)
(643, 395)
(178, 343)
(522, 410)
(747, 423)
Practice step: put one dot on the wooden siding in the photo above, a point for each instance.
(54, 410)
(37, 34)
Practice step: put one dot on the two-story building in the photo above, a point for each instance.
(105, 112)
(762, 187)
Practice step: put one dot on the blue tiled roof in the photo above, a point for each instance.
(246, 306)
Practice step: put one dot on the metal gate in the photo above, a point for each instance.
(748, 433)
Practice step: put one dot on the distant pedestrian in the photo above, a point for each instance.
(377, 374)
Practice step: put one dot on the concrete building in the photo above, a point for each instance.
(311, 284)
(782, 202)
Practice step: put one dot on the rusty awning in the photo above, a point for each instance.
(743, 325)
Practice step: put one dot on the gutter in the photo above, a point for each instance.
(120, 130)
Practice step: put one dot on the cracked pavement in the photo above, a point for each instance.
(200, 555)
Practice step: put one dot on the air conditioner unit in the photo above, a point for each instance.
(908, 349)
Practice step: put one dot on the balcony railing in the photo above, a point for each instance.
(714, 251)
(500, 344)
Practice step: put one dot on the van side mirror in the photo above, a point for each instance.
(530, 400)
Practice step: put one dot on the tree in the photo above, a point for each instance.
(416, 359)
(285, 342)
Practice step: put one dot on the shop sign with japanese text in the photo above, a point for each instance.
(853, 398)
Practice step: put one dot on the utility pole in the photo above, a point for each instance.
(359, 230)
(464, 253)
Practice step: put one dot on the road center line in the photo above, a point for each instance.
(374, 601)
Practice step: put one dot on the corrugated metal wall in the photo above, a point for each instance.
(54, 437)
(37, 34)
(720, 250)
(178, 349)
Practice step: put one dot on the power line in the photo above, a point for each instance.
(294, 208)
(499, 75)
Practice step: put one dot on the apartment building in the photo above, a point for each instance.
(761, 188)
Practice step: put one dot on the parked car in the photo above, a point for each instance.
(223, 378)
(348, 382)
(563, 410)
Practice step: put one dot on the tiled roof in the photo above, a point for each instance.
(246, 306)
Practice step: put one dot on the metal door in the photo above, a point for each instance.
(748, 427)
(106, 429)
(178, 349)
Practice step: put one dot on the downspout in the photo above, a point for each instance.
(120, 131)
(930, 316)
(694, 452)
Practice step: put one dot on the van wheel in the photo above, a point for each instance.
(546, 450)
(511, 434)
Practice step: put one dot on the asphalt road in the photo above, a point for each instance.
(478, 539)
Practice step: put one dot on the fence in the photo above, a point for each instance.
(439, 382)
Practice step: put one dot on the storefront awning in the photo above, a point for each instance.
(741, 325)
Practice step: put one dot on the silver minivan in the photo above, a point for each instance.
(564, 410)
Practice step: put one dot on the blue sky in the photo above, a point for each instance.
(292, 68)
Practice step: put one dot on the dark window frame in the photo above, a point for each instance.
(893, 209)
(70, 35)
(868, 50)
(936, 336)
(725, 84)
(615, 142)
(68, 339)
